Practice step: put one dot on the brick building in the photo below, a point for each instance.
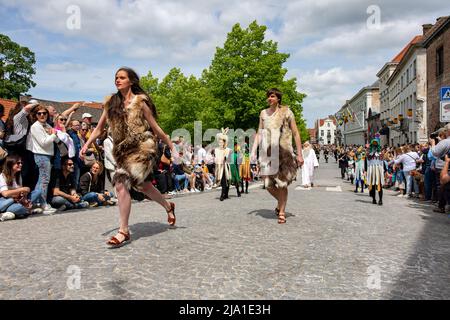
(437, 44)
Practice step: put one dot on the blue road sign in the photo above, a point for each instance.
(445, 93)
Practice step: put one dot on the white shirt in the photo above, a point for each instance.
(201, 155)
(39, 141)
(4, 186)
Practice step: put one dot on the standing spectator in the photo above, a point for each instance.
(87, 118)
(439, 150)
(65, 195)
(201, 154)
(110, 162)
(17, 127)
(74, 127)
(40, 142)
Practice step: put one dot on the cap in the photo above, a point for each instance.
(86, 115)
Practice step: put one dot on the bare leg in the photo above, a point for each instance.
(275, 193)
(149, 189)
(283, 192)
(124, 198)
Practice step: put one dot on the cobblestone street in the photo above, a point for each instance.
(335, 245)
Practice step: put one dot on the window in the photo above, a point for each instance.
(328, 124)
(321, 133)
(407, 76)
(439, 61)
(414, 69)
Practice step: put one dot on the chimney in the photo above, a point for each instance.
(426, 28)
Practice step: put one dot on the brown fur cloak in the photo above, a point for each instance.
(280, 169)
(135, 147)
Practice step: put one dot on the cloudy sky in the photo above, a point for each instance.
(335, 46)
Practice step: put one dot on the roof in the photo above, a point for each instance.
(402, 53)
(8, 104)
(414, 43)
(63, 106)
(441, 24)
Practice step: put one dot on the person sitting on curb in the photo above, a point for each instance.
(91, 187)
(65, 196)
(16, 201)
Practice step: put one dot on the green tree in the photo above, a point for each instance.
(16, 68)
(241, 73)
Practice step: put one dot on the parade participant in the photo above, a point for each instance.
(276, 129)
(360, 169)
(244, 168)
(223, 171)
(235, 161)
(131, 116)
(375, 170)
(351, 166)
(310, 164)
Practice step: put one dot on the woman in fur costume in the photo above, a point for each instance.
(131, 116)
(223, 171)
(278, 163)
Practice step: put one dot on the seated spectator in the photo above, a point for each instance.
(15, 198)
(179, 176)
(65, 196)
(92, 190)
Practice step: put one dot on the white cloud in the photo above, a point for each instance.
(327, 90)
(65, 67)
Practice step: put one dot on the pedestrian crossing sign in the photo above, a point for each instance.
(445, 93)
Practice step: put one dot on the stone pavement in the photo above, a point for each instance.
(335, 245)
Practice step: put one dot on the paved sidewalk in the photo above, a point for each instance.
(335, 245)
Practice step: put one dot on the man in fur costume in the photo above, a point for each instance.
(279, 164)
(223, 171)
(131, 116)
(375, 171)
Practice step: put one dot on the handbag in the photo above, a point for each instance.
(89, 159)
(24, 201)
(164, 159)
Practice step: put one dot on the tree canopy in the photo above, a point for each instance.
(232, 91)
(16, 68)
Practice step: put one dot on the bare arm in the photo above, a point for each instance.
(155, 127)
(298, 141)
(72, 109)
(15, 192)
(96, 133)
(257, 137)
(445, 178)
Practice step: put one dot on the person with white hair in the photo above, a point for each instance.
(309, 165)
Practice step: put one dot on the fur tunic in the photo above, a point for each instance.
(280, 169)
(135, 148)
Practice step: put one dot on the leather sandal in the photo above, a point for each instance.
(277, 211)
(116, 243)
(281, 219)
(170, 220)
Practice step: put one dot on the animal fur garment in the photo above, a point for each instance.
(278, 171)
(135, 148)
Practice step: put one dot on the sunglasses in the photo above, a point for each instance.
(19, 162)
(62, 119)
(42, 113)
(70, 164)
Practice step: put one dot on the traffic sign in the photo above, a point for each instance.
(445, 93)
(445, 111)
